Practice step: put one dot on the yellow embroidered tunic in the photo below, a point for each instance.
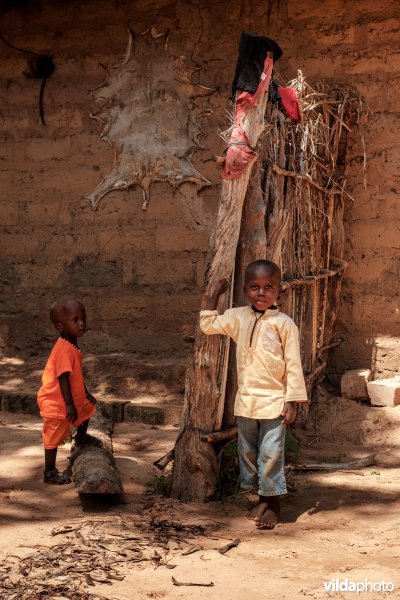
(267, 355)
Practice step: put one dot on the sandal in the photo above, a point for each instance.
(54, 476)
(88, 440)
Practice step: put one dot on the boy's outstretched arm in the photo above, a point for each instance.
(211, 301)
(212, 323)
(65, 387)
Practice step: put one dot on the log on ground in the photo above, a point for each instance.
(93, 469)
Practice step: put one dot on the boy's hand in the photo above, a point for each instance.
(289, 413)
(212, 300)
(91, 398)
(72, 413)
(221, 287)
(65, 387)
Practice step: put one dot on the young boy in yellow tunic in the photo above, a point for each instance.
(63, 398)
(270, 382)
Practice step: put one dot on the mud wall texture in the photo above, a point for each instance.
(355, 43)
(140, 273)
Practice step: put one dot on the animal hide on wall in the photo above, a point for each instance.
(150, 118)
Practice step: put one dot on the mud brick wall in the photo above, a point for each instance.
(140, 273)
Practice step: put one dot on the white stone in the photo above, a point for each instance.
(354, 384)
(384, 392)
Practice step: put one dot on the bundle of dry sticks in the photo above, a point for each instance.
(294, 209)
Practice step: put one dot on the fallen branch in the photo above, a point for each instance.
(162, 462)
(355, 464)
(65, 529)
(191, 550)
(229, 546)
(180, 583)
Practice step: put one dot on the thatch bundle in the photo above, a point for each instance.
(293, 213)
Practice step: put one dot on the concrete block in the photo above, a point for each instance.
(384, 392)
(354, 384)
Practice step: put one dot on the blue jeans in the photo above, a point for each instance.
(261, 445)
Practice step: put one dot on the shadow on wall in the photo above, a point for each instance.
(380, 353)
(118, 375)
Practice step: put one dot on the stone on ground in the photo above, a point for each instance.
(354, 384)
(384, 392)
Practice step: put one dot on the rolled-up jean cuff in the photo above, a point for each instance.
(267, 494)
(244, 486)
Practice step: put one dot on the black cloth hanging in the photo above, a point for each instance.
(273, 93)
(252, 52)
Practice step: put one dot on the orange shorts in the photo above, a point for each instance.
(56, 431)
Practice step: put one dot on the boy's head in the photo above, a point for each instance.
(68, 317)
(262, 280)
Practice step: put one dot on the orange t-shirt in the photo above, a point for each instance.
(63, 358)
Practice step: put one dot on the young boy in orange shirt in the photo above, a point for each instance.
(63, 398)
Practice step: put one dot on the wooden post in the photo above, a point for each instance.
(195, 466)
(251, 246)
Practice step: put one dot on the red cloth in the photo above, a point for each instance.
(239, 152)
(290, 103)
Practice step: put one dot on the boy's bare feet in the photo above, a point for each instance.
(267, 513)
(257, 512)
(271, 516)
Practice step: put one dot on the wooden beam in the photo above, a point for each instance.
(301, 176)
(217, 436)
(310, 279)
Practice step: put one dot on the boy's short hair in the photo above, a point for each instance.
(59, 308)
(267, 265)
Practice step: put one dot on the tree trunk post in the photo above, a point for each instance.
(195, 465)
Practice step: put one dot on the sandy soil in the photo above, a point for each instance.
(340, 525)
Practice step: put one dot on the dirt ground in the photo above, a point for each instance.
(340, 525)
